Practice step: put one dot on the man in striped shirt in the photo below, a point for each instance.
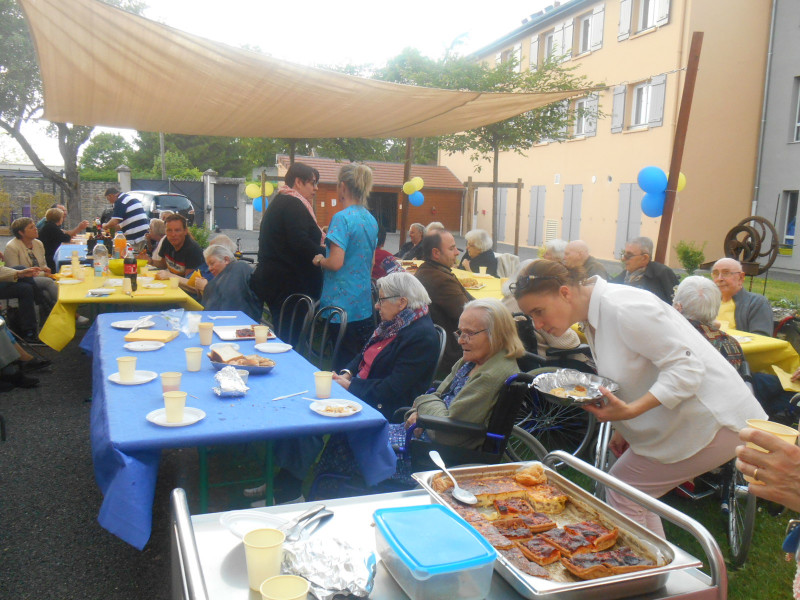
(129, 216)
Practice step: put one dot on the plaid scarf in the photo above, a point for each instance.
(287, 191)
(632, 277)
(388, 329)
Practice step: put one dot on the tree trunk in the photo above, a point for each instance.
(495, 178)
(292, 151)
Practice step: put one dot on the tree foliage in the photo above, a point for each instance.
(178, 167)
(104, 152)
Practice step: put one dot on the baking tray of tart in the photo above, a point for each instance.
(553, 538)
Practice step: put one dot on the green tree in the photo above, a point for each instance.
(517, 134)
(21, 99)
(105, 151)
(178, 167)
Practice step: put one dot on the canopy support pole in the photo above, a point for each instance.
(406, 177)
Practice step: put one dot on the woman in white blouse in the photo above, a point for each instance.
(680, 405)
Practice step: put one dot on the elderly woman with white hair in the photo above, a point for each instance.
(479, 253)
(698, 299)
(554, 250)
(230, 288)
(397, 363)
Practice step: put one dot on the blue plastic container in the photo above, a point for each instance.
(433, 553)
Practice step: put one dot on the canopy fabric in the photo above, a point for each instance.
(103, 66)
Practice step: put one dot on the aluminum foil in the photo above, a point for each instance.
(568, 379)
(331, 566)
(230, 384)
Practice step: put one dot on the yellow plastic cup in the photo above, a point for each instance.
(787, 434)
(174, 282)
(284, 587)
(206, 333)
(127, 368)
(482, 270)
(322, 381)
(263, 551)
(194, 358)
(174, 403)
(171, 381)
(261, 331)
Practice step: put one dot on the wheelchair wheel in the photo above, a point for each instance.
(741, 516)
(523, 446)
(556, 427)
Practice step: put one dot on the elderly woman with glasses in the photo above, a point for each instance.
(479, 253)
(490, 344)
(230, 287)
(680, 405)
(397, 363)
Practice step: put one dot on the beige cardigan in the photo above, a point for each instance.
(16, 254)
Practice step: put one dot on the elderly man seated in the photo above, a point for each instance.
(230, 288)
(643, 272)
(412, 249)
(576, 254)
(740, 309)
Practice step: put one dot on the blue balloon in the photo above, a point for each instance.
(257, 203)
(653, 204)
(652, 180)
(416, 198)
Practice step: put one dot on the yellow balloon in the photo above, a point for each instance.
(417, 183)
(268, 189)
(408, 188)
(252, 190)
(681, 182)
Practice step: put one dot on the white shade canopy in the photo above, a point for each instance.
(103, 66)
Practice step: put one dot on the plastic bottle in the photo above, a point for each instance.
(130, 266)
(119, 244)
(100, 260)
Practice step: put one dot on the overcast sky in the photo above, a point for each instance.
(317, 32)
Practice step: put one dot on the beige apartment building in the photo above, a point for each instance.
(585, 187)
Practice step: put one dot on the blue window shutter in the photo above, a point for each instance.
(658, 88)
(618, 110)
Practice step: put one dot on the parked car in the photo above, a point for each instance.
(154, 202)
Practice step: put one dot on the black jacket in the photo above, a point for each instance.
(658, 278)
(409, 251)
(484, 259)
(402, 370)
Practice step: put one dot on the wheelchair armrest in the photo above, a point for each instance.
(449, 425)
(564, 352)
(398, 416)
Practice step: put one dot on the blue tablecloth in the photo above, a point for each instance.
(63, 254)
(126, 448)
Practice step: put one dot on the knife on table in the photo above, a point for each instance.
(302, 517)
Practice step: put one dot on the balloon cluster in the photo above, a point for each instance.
(412, 190)
(253, 190)
(653, 182)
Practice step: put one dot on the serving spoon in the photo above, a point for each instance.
(459, 493)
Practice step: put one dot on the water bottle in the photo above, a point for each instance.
(131, 267)
(100, 260)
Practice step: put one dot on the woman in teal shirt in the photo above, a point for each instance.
(351, 240)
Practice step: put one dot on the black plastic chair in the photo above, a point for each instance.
(442, 345)
(376, 315)
(322, 348)
(294, 308)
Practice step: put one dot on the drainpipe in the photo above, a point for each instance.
(754, 205)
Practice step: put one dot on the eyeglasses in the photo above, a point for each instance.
(724, 273)
(467, 334)
(385, 298)
(526, 282)
(630, 255)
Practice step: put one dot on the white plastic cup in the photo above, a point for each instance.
(322, 381)
(263, 551)
(261, 332)
(482, 270)
(80, 274)
(284, 587)
(127, 368)
(206, 333)
(243, 374)
(174, 282)
(787, 434)
(126, 286)
(171, 381)
(174, 403)
(194, 358)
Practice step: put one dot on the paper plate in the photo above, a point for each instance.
(131, 324)
(145, 279)
(335, 407)
(146, 346)
(69, 281)
(273, 347)
(139, 377)
(112, 283)
(101, 292)
(154, 286)
(190, 417)
(240, 522)
(228, 333)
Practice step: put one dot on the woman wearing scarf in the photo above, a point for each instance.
(398, 361)
(289, 239)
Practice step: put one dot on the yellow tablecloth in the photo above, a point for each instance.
(490, 286)
(59, 328)
(762, 352)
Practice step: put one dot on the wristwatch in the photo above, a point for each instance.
(346, 372)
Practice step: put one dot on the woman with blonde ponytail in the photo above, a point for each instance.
(351, 241)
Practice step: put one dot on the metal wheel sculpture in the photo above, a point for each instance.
(754, 239)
